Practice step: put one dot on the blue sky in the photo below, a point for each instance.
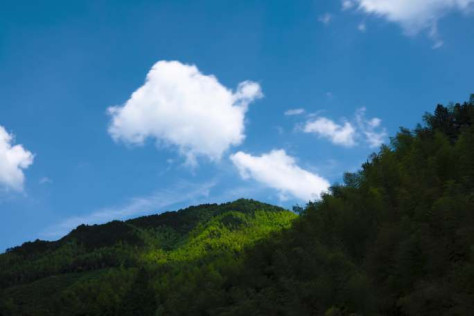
(271, 100)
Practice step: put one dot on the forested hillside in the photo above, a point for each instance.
(154, 263)
(396, 238)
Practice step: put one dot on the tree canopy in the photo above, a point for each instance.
(395, 238)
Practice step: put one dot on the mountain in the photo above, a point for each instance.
(107, 269)
(395, 238)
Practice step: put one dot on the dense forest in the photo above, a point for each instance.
(136, 267)
(396, 238)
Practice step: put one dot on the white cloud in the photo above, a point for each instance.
(343, 135)
(362, 27)
(45, 180)
(13, 160)
(347, 4)
(279, 171)
(294, 112)
(181, 107)
(413, 15)
(374, 134)
(325, 18)
(182, 192)
(349, 134)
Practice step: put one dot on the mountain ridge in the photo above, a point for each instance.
(204, 234)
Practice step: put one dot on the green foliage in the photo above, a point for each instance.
(396, 238)
(135, 267)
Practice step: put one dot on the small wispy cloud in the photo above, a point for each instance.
(434, 35)
(362, 27)
(45, 180)
(339, 134)
(348, 133)
(182, 192)
(347, 4)
(325, 18)
(374, 134)
(280, 130)
(294, 112)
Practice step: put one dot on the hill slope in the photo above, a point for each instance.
(395, 239)
(106, 269)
